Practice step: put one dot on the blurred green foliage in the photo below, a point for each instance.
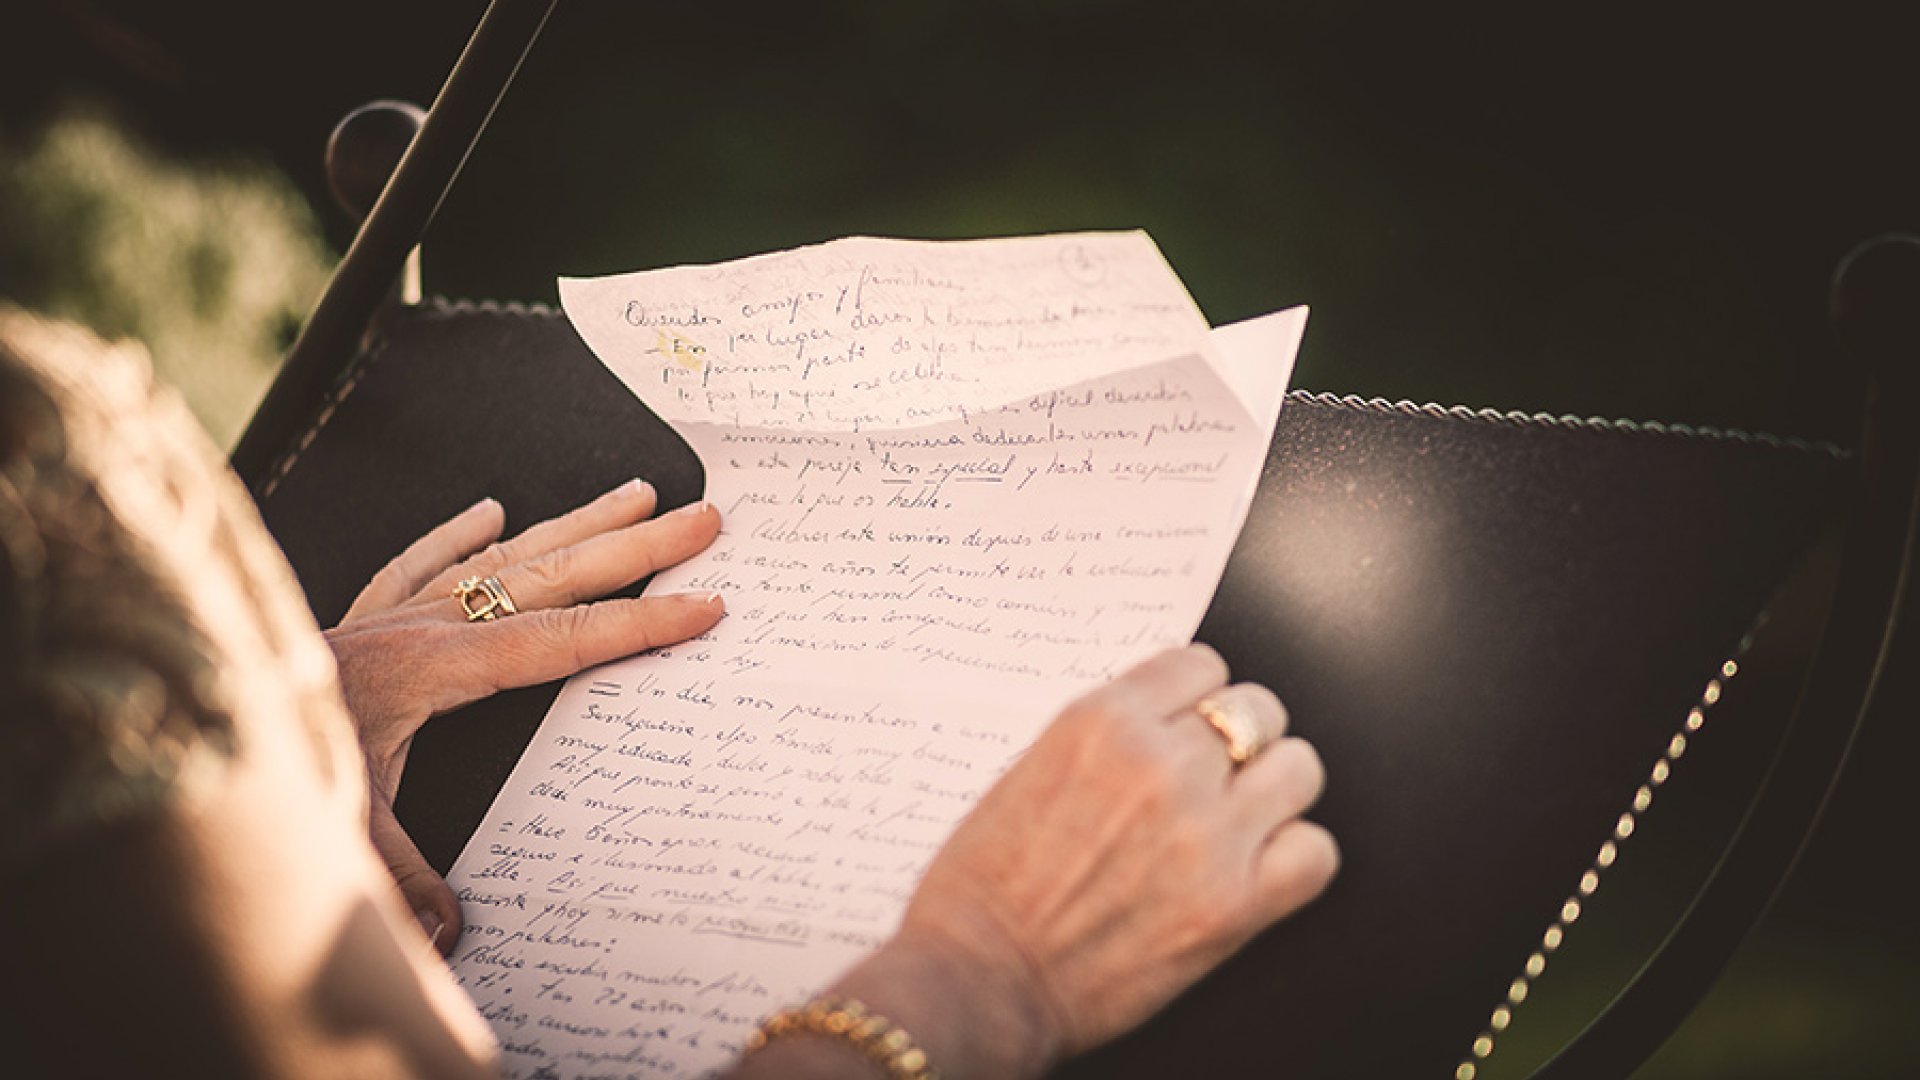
(211, 264)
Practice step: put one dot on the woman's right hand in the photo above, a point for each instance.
(1122, 858)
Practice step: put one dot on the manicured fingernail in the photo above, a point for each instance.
(488, 501)
(709, 597)
(691, 509)
(430, 924)
(635, 486)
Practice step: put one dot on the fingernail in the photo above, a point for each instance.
(430, 924)
(635, 486)
(483, 502)
(691, 509)
(708, 597)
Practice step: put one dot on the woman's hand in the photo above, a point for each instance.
(407, 652)
(1117, 862)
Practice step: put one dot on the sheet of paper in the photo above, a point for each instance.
(701, 834)
(866, 332)
(1255, 357)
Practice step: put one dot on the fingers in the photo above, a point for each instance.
(426, 893)
(1295, 866)
(1294, 859)
(540, 646)
(1252, 716)
(609, 561)
(625, 505)
(1282, 783)
(455, 539)
(436, 660)
(1260, 704)
(1167, 684)
(1123, 855)
(1264, 798)
(431, 660)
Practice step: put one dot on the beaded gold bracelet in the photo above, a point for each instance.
(886, 1043)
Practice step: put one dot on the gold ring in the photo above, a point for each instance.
(491, 596)
(1244, 731)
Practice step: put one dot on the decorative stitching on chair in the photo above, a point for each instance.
(1623, 827)
(1516, 418)
(442, 305)
(339, 394)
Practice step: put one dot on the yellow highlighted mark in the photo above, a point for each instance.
(686, 352)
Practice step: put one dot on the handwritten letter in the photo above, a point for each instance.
(962, 483)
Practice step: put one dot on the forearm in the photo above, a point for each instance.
(972, 1022)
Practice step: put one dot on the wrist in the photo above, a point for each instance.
(975, 1020)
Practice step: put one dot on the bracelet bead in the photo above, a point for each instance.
(882, 1041)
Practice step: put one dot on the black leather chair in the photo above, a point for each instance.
(1515, 638)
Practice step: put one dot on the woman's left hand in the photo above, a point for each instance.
(407, 651)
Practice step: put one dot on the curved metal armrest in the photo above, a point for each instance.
(1876, 293)
(333, 334)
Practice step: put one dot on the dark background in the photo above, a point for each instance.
(1622, 211)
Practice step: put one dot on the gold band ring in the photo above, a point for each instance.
(1246, 733)
(484, 599)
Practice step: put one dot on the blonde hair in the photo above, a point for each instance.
(144, 613)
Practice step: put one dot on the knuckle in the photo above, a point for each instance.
(634, 622)
(1320, 852)
(500, 553)
(1303, 862)
(1208, 658)
(1154, 786)
(1074, 741)
(648, 547)
(564, 630)
(1304, 767)
(1263, 698)
(1190, 846)
(551, 574)
(533, 641)
(1138, 748)
(405, 865)
(1086, 719)
(394, 573)
(420, 656)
